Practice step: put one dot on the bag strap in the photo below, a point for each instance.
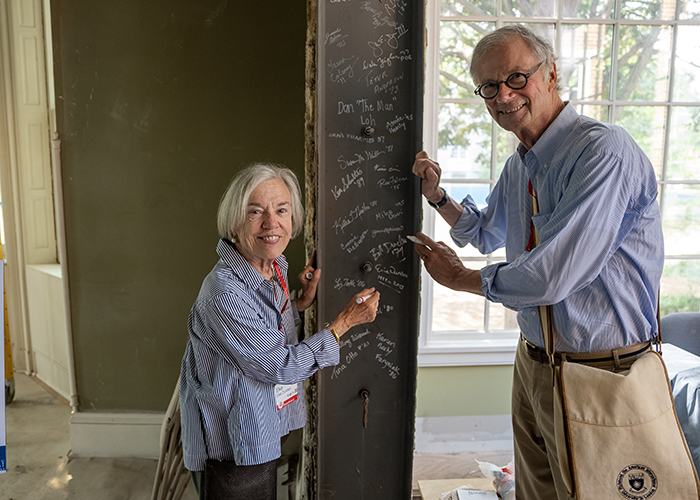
(658, 340)
(546, 317)
(547, 325)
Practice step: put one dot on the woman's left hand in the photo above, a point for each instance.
(309, 281)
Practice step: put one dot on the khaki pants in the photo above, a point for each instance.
(537, 474)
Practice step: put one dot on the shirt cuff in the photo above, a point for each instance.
(325, 348)
(488, 286)
(488, 275)
(462, 231)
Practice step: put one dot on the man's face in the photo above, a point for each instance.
(526, 112)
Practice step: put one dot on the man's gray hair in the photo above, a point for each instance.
(234, 203)
(538, 45)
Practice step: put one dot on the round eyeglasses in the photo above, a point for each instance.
(515, 81)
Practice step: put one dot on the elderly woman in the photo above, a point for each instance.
(240, 383)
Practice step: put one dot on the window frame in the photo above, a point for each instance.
(462, 348)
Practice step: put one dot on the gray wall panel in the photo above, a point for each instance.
(370, 83)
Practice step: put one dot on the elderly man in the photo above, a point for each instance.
(600, 252)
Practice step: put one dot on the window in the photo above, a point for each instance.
(633, 63)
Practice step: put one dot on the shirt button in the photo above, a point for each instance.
(534, 313)
(546, 165)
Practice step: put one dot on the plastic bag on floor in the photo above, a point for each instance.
(503, 478)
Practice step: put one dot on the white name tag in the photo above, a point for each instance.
(285, 394)
(483, 495)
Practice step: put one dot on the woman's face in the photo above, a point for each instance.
(268, 225)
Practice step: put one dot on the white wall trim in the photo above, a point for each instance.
(45, 302)
(464, 434)
(109, 435)
(499, 350)
(137, 435)
(453, 356)
(63, 259)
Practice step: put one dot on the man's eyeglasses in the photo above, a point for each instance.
(516, 81)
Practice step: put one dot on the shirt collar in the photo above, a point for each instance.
(240, 267)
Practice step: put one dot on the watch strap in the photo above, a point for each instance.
(441, 202)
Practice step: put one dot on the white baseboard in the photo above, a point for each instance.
(466, 433)
(94, 434)
(135, 435)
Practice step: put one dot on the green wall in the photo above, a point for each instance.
(464, 390)
(159, 103)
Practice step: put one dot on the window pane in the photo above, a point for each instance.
(442, 233)
(680, 286)
(464, 8)
(464, 141)
(690, 9)
(648, 9)
(586, 61)
(501, 318)
(457, 310)
(644, 59)
(529, 8)
(479, 192)
(600, 113)
(589, 9)
(507, 145)
(588, 71)
(681, 219)
(458, 192)
(499, 255)
(686, 85)
(457, 41)
(545, 30)
(646, 125)
(684, 144)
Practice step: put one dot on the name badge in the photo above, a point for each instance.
(285, 394)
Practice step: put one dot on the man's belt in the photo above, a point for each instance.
(538, 354)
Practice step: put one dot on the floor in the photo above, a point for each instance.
(40, 466)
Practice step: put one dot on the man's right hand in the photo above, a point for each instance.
(429, 171)
(444, 266)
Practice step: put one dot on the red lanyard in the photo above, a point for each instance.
(531, 243)
(284, 288)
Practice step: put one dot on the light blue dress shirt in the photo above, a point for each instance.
(601, 250)
(235, 355)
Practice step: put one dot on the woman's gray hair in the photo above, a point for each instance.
(538, 45)
(234, 203)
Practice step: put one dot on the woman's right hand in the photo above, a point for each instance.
(356, 314)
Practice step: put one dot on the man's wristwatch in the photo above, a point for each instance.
(441, 202)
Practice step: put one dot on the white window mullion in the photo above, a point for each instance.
(430, 144)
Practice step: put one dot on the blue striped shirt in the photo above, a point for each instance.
(235, 355)
(601, 250)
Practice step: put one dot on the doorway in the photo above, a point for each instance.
(34, 276)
